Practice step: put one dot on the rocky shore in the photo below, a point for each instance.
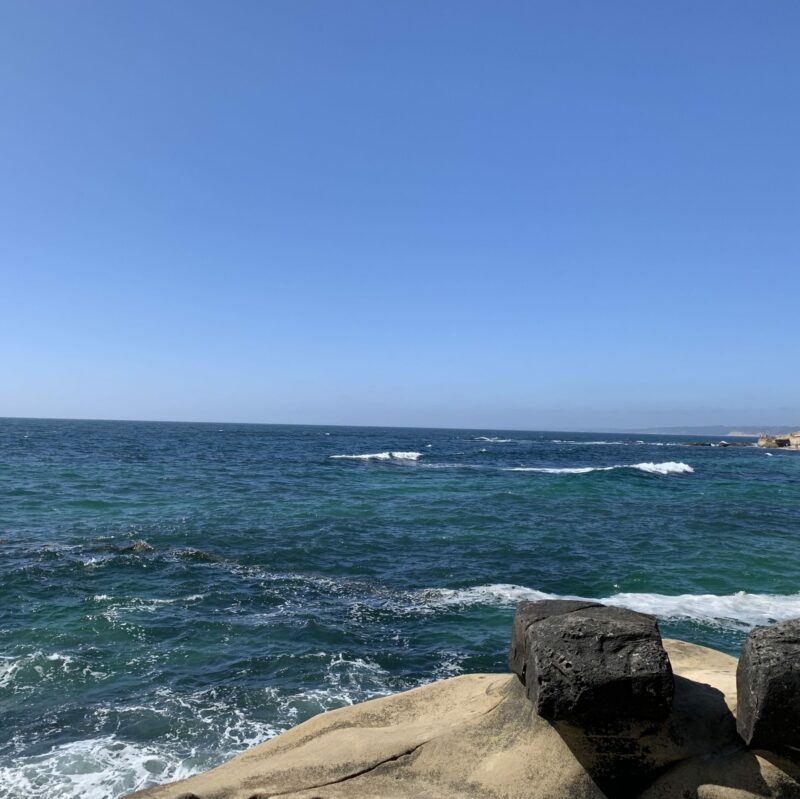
(597, 705)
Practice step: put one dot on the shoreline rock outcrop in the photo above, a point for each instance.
(479, 736)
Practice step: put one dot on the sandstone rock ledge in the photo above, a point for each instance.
(477, 736)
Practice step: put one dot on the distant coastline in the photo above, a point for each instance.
(720, 431)
(740, 431)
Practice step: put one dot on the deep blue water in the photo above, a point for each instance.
(173, 593)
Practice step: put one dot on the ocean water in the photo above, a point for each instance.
(173, 593)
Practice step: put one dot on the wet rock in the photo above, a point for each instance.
(591, 665)
(768, 687)
(138, 546)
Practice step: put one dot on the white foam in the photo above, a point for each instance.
(105, 767)
(381, 456)
(739, 610)
(552, 470)
(493, 439)
(114, 609)
(593, 443)
(9, 666)
(622, 443)
(667, 467)
(23, 673)
(97, 768)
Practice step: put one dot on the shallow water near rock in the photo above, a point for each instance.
(174, 593)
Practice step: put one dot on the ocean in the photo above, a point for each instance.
(174, 593)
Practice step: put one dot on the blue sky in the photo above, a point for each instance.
(541, 215)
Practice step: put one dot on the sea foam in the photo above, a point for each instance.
(95, 768)
(106, 766)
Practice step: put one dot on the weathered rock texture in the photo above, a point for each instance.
(529, 613)
(768, 686)
(478, 737)
(590, 665)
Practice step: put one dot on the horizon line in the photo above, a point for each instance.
(621, 431)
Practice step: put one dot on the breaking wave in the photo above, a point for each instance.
(667, 467)
(739, 610)
(380, 456)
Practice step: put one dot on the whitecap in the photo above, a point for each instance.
(667, 467)
(381, 456)
(595, 443)
(493, 439)
(553, 470)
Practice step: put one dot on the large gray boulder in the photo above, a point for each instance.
(768, 687)
(590, 665)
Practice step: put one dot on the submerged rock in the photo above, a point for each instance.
(591, 665)
(138, 546)
(768, 687)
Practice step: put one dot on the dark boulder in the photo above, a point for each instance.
(590, 665)
(529, 613)
(768, 687)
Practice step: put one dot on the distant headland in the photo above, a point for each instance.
(719, 430)
(780, 441)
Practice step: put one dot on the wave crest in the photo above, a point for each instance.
(380, 456)
(739, 610)
(667, 467)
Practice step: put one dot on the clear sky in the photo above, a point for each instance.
(503, 214)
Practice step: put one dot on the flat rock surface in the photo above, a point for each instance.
(476, 736)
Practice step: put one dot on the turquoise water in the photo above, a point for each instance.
(173, 593)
